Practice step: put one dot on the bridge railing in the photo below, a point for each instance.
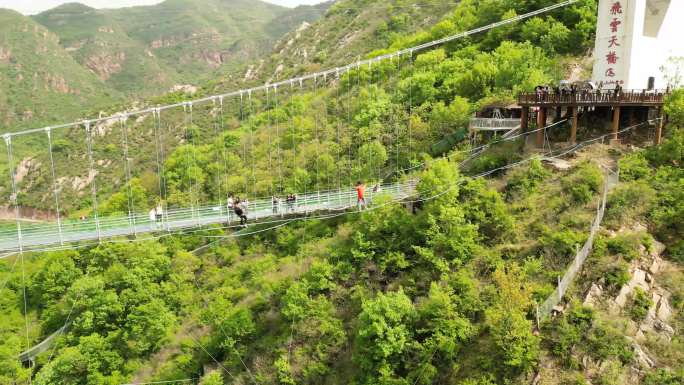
(40, 234)
(593, 97)
(493, 124)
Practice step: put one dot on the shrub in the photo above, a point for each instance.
(663, 377)
(617, 276)
(676, 251)
(526, 180)
(641, 302)
(611, 374)
(630, 200)
(625, 245)
(583, 183)
(634, 167)
(562, 243)
(605, 342)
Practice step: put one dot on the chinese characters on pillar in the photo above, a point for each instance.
(615, 21)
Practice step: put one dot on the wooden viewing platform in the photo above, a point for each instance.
(574, 101)
(605, 98)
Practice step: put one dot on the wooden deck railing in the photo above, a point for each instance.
(593, 97)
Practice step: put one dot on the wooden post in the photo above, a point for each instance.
(541, 123)
(573, 129)
(659, 126)
(524, 119)
(616, 122)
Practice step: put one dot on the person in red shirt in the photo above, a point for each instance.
(360, 195)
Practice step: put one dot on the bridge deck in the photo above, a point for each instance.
(37, 236)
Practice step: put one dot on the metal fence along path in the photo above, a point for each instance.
(544, 310)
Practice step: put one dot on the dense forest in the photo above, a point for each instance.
(440, 290)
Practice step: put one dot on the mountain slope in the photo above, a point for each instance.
(40, 81)
(349, 30)
(145, 50)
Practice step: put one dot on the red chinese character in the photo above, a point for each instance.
(616, 8)
(613, 42)
(611, 57)
(614, 25)
(610, 72)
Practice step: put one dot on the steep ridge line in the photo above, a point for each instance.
(322, 74)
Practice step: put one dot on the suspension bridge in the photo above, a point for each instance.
(201, 209)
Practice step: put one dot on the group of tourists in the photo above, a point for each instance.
(240, 206)
(290, 201)
(156, 214)
(577, 92)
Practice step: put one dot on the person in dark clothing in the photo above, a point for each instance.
(237, 208)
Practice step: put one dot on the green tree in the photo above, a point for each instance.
(384, 333)
(147, 326)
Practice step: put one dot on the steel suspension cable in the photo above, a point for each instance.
(243, 141)
(278, 140)
(251, 145)
(410, 117)
(326, 134)
(217, 137)
(223, 145)
(269, 127)
(164, 188)
(196, 164)
(93, 184)
(397, 74)
(161, 172)
(360, 139)
(350, 133)
(338, 109)
(303, 154)
(294, 140)
(15, 202)
(318, 143)
(127, 172)
(55, 189)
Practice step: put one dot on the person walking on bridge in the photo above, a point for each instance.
(240, 212)
(360, 195)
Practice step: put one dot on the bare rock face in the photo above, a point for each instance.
(185, 88)
(106, 65)
(657, 249)
(638, 280)
(657, 317)
(214, 59)
(593, 295)
(664, 311)
(24, 167)
(640, 356)
(5, 54)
